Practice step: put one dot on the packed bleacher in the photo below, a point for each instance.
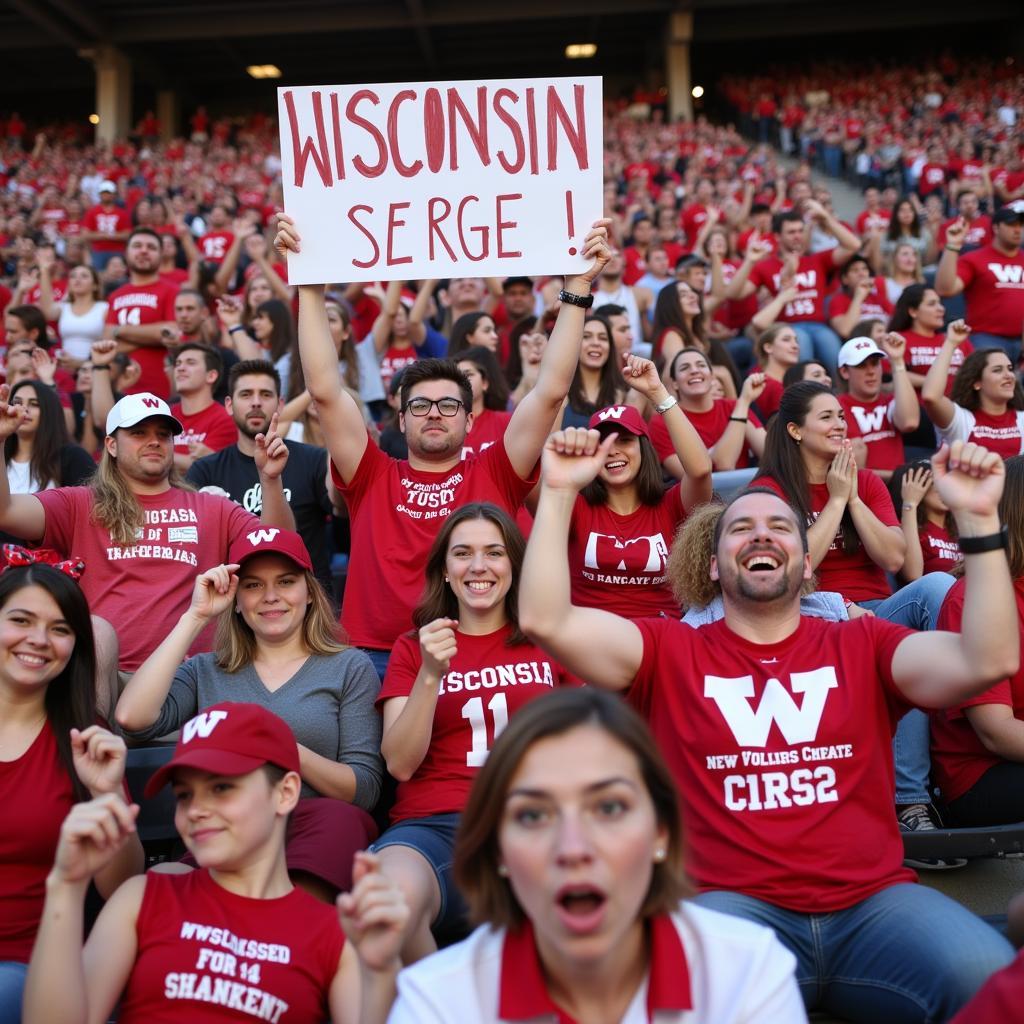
(350, 566)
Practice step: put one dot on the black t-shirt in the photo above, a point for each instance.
(234, 475)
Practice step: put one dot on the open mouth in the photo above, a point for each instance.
(31, 660)
(581, 907)
(480, 586)
(761, 561)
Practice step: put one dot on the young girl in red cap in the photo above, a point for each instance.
(234, 940)
(623, 523)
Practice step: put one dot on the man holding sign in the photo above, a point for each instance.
(397, 507)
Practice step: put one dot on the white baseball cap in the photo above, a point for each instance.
(107, 186)
(856, 350)
(134, 409)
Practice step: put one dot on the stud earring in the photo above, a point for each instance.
(503, 871)
(659, 856)
(447, 580)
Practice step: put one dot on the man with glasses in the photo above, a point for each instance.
(397, 507)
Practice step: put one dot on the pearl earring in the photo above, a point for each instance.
(659, 856)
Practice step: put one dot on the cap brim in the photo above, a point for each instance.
(216, 762)
(175, 425)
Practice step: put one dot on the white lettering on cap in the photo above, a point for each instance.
(262, 536)
(614, 412)
(202, 725)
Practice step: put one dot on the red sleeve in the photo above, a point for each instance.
(966, 269)
(653, 633)
(239, 521)
(403, 667)
(223, 434)
(759, 274)
(61, 505)
(371, 465)
(876, 496)
(89, 220)
(838, 304)
(111, 313)
(167, 305)
(886, 637)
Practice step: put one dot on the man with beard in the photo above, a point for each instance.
(778, 731)
(141, 313)
(397, 507)
(254, 397)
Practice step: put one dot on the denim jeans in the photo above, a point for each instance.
(1011, 346)
(916, 605)
(12, 984)
(379, 659)
(741, 348)
(818, 341)
(907, 955)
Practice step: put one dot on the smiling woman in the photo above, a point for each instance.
(571, 857)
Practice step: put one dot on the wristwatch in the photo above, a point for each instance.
(583, 301)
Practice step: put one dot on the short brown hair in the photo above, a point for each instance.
(477, 853)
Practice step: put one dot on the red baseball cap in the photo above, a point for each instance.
(620, 417)
(264, 540)
(230, 739)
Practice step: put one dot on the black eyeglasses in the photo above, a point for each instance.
(445, 406)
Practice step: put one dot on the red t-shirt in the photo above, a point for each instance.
(183, 534)
(999, 1000)
(710, 426)
(618, 562)
(395, 358)
(868, 219)
(395, 513)
(922, 351)
(993, 291)
(876, 304)
(692, 220)
(979, 231)
(208, 955)
(854, 576)
(212, 427)
(932, 179)
(959, 758)
(141, 304)
(635, 267)
(486, 682)
(735, 313)
(110, 221)
(811, 280)
(488, 428)
(782, 755)
(768, 402)
(744, 240)
(214, 245)
(35, 798)
(1002, 434)
(939, 552)
(872, 422)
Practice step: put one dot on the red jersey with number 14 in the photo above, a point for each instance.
(782, 754)
(209, 956)
(486, 682)
(137, 305)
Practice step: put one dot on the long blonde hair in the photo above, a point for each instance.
(114, 504)
(235, 643)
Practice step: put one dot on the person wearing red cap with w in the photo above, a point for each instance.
(232, 940)
(624, 521)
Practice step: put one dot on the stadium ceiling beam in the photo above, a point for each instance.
(57, 32)
(83, 17)
(426, 44)
(296, 20)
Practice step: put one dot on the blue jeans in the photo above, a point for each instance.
(818, 341)
(916, 605)
(379, 659)
(1011, 346)
(741, 348)
(12, 984)
(907, 955)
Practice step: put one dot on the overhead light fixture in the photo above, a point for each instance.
(264, 70)
(94, 119)
(575, 51)
(697, 91)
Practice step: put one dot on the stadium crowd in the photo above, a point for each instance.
(383, 556)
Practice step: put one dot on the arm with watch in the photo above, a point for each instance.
(947, 281)
(695, 484)
(101, 397)
(739, 430)
(534, 418)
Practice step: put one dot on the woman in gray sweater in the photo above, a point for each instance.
(277, 645)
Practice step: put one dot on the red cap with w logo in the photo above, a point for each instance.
(620, 418)
(134, 409)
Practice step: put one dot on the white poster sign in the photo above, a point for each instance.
(441, 179)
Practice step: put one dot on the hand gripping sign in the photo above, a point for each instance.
(441, 179)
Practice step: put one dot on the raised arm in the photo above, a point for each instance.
(271, 456)
(535, 415)
(844, 323)
(941, 409)
(740, 286)
(381, 330)
(772, 309)
(727, 449)
(51, 309)
(913, 488)
(342, 422)
(101, 398)
(602, 648)
(849, 243)
(947, 281)
(20, 514)
(938, 669)
(906, 410)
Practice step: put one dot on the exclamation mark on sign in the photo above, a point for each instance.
(569, 220)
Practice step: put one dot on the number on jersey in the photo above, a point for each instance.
(473, 712)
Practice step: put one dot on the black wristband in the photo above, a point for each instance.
(737, 419)
(237, 327)
(583, 301)
(950, 248)
(990, 542)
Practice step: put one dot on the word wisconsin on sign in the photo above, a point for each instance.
(441, 179)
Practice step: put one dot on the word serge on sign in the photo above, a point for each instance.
(441, 179)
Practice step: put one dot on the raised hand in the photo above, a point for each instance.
(815, 209)
(91, 836)
(99, 758)
(956, 232)
(595, 247)
(842, 475)
(11, 416)
(438, 645)
(915, 485)
(271, 453)
(43, 365)
(969, 479)
(256, 246)
(102, 353)
(214, 591)
(863, 289)
(894, 345)
(573, 457)
(287, 238)
(958, 332)
(757, 248)
(229, 312)
(641, 375)
(374, 914)
(752, 388)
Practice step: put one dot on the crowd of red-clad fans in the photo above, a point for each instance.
(215, 445)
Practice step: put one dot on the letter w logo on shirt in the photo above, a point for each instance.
(613, 412)
(751, 726)
(202, 725)
(262, 536)
(1006, 274)
(870, 421)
